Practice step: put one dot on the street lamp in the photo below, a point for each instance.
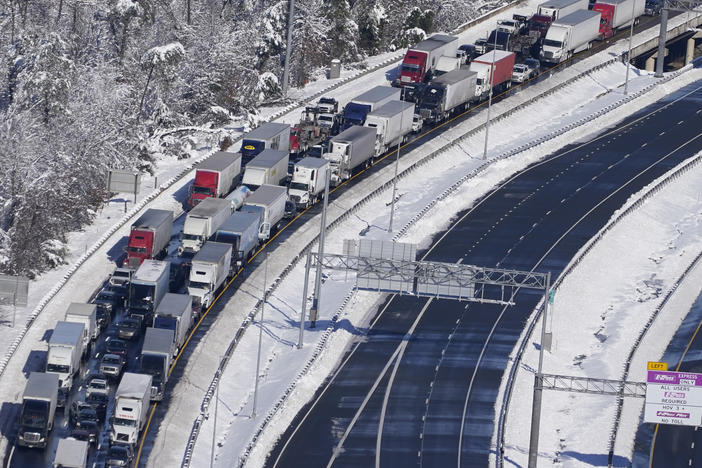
(628, 54)
(492, 80)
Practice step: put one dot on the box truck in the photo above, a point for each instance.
(270, 135)
(38, 408)
(65, 352)
(270, 167)
(617, 14)
(357, 109)
(446, 94)
(175, 312)
(269, 202)
(570, 35)
(241, 232)
(349, 150)
(210, 268)
(422, 58)
(494, 71)
(552, 10)
(308, 180)
(149, 285)
(392, 123)
(87, 315)
(149, 237)
(155, 359)
(215, 177)
(71, 453)
(131, 407)
(201, 222)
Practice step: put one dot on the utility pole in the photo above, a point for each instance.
(304, 299)
(492, 81)
(314, 310)
(628, 54)
(288, 49)
(538, 384)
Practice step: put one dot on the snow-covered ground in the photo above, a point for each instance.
(235, 428)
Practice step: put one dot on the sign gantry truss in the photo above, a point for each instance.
(682, 5)
(566, 383)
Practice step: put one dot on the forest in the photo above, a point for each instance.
(87, 85)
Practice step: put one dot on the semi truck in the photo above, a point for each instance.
(201, 222)
(349, 150)
(392, 123)
(71, 453)
(270, 167)
(617, 14)
(175, 312)
(270, 135)
(87, 315)
(494, 70)
(149, 237)
(358, 108)
(552, 10)
(269, 202)
(209, 270)
(131, 407)
(65, 352)
(570, 35)
(215, 177)
(309, 179)
(38, 408)
(155, 359)
(422, 58)
(240, 230)
(448, 93)
(149, 285)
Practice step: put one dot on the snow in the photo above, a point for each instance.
(283, 363)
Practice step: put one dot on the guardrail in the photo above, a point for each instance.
(504, 408)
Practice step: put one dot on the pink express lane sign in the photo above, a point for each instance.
(673, 398)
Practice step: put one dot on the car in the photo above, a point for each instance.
(653, 7)
(290, 210)
(129, 328)
(520, 73)
(74, 411)
(97, 383)
(534, 66)
(120, 455)
(108, 301)
(116, 346)
(103, 317)
(112, 365)
(86, 415)
(98, 401)
(121, 291)
(121, 277)
(417, 123)
(87, 430)
(508, 26)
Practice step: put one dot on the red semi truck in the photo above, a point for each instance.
(422, 58)
(550, 11)
(617, 14)
(149, 237)
(215, 177)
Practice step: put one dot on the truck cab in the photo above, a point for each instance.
(38, 407)
(414, 67)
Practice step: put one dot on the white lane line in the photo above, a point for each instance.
(680, 123)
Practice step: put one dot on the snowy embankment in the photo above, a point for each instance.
(282, 362)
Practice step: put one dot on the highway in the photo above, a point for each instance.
(374, 411)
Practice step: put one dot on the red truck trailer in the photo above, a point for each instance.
(422, 58)
(501, 69)
(149, 237)
(617, 14)
(215, 177)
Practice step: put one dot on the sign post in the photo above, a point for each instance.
(673, 398)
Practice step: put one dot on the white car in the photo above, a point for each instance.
(520, 73)
(97, 384)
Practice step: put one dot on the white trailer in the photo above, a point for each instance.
(149, 285)
(358, 108)
(392, 122)
(39, 403)
(175, 312)
(309, 179)
(268, 168)
(131, 407)
(570, 35)
(447, 64)
(446, 93)
(210, 267)
(71, 453)
(65, 352)
(87, 315)
(349, 150)
(556, 9)
(269, 202)
(202, 221)
(240, 230)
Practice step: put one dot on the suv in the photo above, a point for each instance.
(112, 365)
(481, 46)
(520, 73)
(129, 328)
(534, 66)
(653, 7)
(97, 383)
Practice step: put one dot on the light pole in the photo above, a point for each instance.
(214, 422)
(260, 338)
(314, 310)
(628, 54)
(492, 80)
(304, 298)
(394, 180)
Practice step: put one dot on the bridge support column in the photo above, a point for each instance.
(661, 41)
(690, 51)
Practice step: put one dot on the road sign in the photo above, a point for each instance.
(673, 398)
(663, 366)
